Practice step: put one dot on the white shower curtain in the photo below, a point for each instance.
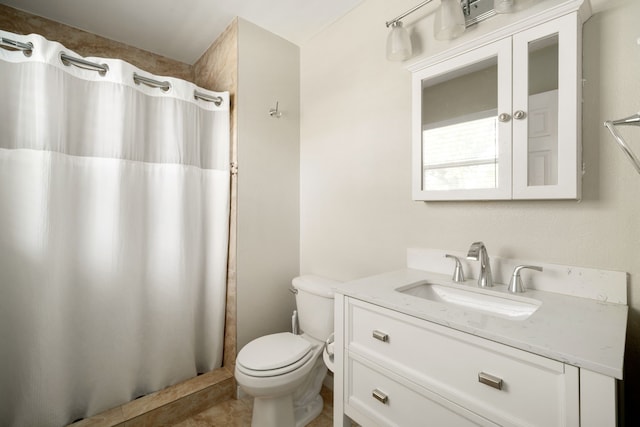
(114, 210)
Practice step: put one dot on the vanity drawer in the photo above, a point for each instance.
(374, 393)
(519, 388)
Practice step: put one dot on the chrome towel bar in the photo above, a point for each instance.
(633, 120)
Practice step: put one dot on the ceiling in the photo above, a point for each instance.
(184, 29)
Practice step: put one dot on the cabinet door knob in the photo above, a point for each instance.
(519, 115)
(504, 117)
(380, 336)
(380, 396)
(490, 380)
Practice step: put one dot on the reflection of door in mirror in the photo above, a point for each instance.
(459, 129)
(543, 112)
(543, 138)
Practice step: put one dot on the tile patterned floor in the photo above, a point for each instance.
(237, 413)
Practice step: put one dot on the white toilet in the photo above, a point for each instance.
(284, 372)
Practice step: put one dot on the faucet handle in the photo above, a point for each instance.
(458, 273)
(515, 284)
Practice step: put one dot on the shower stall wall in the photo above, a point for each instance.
(114, 222)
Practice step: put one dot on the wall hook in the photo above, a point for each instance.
(275, 112)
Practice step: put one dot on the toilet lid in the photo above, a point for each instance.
(278, 371)
(273, 351)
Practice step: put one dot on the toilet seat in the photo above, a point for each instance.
(274, 355)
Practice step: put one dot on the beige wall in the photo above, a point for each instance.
(357, 216)
(259, 68)
(268, 182)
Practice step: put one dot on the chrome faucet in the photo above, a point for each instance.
(478, 252)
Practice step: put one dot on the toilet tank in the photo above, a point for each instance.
(314, 302)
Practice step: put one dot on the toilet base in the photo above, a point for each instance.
(279, 412)
(305, 414)
(273, 412)
(297, 407)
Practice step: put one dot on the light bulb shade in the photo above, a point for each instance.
(503, 6)
(398, 43)
(449, 20)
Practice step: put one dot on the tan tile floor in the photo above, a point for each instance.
(237, 413)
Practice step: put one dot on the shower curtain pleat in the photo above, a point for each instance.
(114, 210)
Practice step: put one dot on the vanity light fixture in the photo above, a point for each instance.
(398, 41)
(503, 6)
(449, 22)
(452, 18)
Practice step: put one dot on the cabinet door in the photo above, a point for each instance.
(546, 105)
(461, 147)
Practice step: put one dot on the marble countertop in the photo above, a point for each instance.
(582, 332)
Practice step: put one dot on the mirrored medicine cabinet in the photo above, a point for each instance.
(501, 120)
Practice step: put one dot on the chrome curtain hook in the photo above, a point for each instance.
(275, 112)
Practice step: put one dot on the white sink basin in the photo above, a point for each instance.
(490, 302)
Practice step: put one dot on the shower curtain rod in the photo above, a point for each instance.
(165, 86)
(102, 69)
(84, 64)
(26, 48)
(215, 99)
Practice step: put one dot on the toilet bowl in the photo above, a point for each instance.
(284, 372)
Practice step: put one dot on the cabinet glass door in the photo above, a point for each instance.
(542, 132)
(462, 149)
(545, 135)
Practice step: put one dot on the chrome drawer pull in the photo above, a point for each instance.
(490, 380)
(380, 396)
(380, 336)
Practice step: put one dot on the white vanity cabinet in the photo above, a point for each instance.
(499, 116)
(460, 355)
(399, 370)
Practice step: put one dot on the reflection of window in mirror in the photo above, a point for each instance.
(459, 129)
(461, 155)
(543, 112)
